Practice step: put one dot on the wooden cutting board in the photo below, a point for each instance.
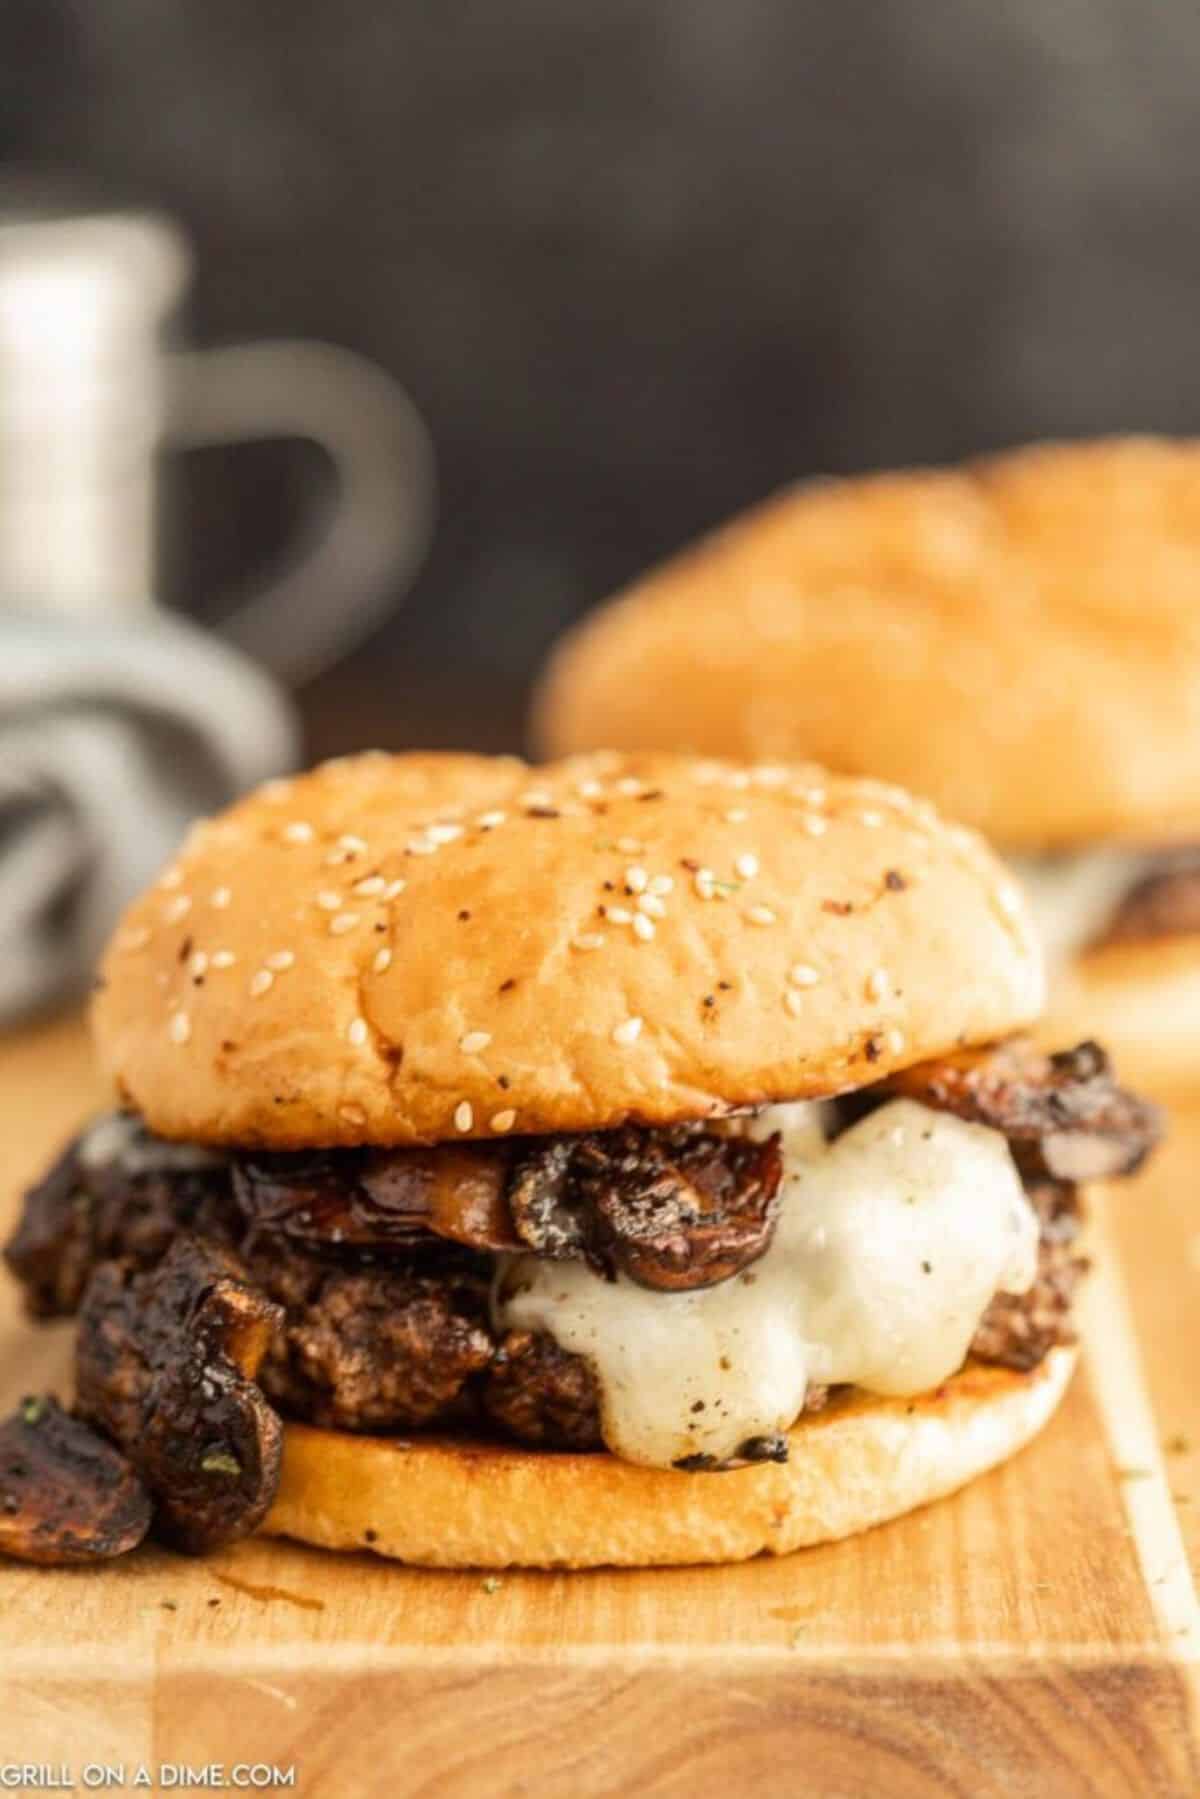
(1037, 1634)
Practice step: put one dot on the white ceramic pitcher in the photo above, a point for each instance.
(94, 387)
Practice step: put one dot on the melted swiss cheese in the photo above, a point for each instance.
(890, 1243)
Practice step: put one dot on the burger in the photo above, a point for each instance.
(1018, 639)
(632, 1160)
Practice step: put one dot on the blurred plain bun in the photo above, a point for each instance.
(414, 948)
(1019, 639)
(449, 1505)
(1142, 1001)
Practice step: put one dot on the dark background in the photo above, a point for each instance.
(639, 261)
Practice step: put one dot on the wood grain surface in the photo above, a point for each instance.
(1037, 1634)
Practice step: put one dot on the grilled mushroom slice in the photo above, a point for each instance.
(165, 1365)
(671, 1209)
(66, 1496)
(380, 1199)
(1064, 1115)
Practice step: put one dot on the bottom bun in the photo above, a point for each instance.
(1142, 1002)
(445, 1504)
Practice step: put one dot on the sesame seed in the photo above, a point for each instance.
(345, 921)
(643, 927)
(627, 1032)
(746, 866)
(177, 908)
(180, 1027)
(198, 964)
(619, 915)
(794, 1002)
(816, 827)
(652, 905)
(261, 982)
(464, 1115)
(352, 1115)
(328, 900)
(879, 984)
(136, 938)
(630, 846)
(536, 798)
(769, 774)
(383, 961)
(355, 846)
(703, 880)
(221, 897)
(298, 832)
(871, 819)
(761, 915)
(736, 815)
(443, 833)
(356, 1032)
(280, 960)
(587, 940)
(474, 1041)
(223, 958)
(636, 879)
(662, 884)
(503, 1121)
(590, 790)
(394, 889)
(895, 1041)
(172, 877)
(370, 885)
(487, 821)
(421, 846)
(803, 974)
(739, 778)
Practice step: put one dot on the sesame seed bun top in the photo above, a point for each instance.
(398, 949)
(1019, 639)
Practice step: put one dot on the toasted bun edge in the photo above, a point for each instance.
(445, 1504)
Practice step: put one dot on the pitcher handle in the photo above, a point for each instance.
(370, 545)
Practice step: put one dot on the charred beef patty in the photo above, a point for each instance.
(375, 1347)
(351, 1288)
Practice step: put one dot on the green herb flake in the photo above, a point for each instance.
(33, 1411)
(492, 1584)
(219, 1461)
(1135, 1474)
